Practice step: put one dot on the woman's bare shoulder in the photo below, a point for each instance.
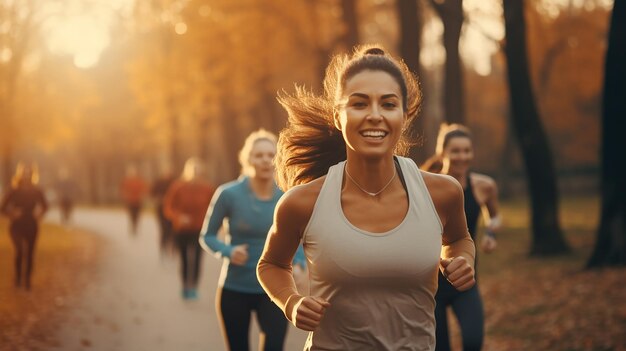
(299, 201)
(441, 184)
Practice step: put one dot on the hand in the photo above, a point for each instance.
(239, 255)
(308, 312)
(458, 272)
(488, 244)
(184, 219)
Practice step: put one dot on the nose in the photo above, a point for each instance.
(375, 114)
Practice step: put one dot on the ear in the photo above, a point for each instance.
(336, 120)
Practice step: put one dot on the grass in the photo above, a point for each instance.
(534, 303)
(64, 261)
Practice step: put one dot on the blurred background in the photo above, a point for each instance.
(94, 86)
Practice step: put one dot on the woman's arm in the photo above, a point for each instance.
(274, 269)
(6, 203)
(458, 251)
(494, 220)
(43, 203)
(170, 202)
(217, 211)
(490, 210)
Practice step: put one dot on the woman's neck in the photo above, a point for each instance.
(262, 188)
(371, 175)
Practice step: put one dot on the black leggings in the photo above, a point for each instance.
(134, 210)
(190, 256)
(467, 307)
(165, 227)
(24, 236)
(234, 309)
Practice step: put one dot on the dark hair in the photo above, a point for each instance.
(446, 133)
(311, 143)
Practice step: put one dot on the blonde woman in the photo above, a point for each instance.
(248, 204)
(24, 204)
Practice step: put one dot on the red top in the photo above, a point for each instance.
(133, 190)
(186, 203)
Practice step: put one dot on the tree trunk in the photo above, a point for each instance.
(174, 137)
(204, 148)
(547, 238)
(610, 249)
(505, 170)
(232, 141)
(410, 19)
(350, 19)
(451, 14)
(17, 40)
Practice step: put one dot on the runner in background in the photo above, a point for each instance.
(454, 155)
(248, 205)
(133, 190)
(158, 191)
(25, 204)
(185, 204)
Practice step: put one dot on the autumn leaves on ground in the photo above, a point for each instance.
(65, 262)
(530, 303)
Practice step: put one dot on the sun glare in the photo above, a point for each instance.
(81, 37)
(83, 32)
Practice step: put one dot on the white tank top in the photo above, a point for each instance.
(381, 286)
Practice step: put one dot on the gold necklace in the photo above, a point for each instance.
(367, 192)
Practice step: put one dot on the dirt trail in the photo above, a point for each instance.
(134, 300)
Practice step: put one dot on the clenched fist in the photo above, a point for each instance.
(239, 255)
(458, 272)
(308, 312)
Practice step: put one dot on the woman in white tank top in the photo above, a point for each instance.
(375, 229)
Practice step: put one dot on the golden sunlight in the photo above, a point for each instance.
(83, 32)
(81, 37)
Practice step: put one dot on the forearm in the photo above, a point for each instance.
(210, 242)
(494, 223)
(277, 280)
(461, 247)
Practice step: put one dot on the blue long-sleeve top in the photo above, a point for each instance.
(248, 222)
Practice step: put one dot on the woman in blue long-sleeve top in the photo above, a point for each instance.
(248, 205)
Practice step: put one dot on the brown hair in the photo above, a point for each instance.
(311, 143)
(446, 133)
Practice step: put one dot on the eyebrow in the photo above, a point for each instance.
(365, 96)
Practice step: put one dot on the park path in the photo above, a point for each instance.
(134, 303)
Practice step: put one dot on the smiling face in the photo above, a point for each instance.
(371, 116)
(261, 159)
(458, 155)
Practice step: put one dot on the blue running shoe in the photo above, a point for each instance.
(192, 294)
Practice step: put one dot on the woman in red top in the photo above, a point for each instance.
(185, 204)
(133, 190)
(24, 204)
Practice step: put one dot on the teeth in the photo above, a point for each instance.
(374, 133)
